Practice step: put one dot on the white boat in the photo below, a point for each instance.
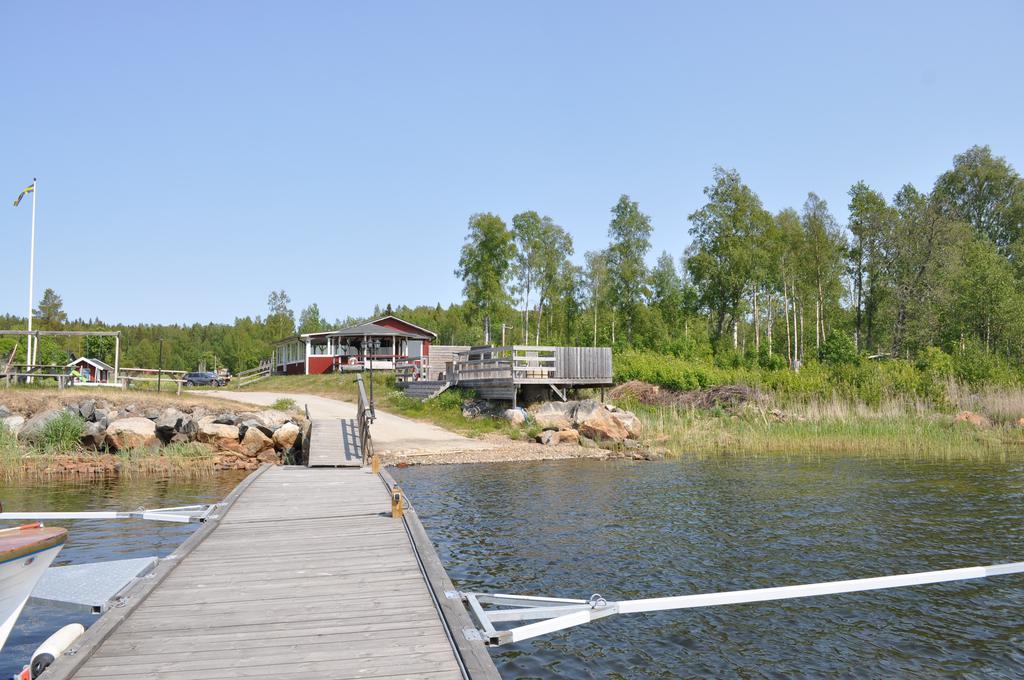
(25, 553)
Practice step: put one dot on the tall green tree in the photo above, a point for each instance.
(310, 320)
(923, 256)
(630, 234)
(280, 317)
(667, 295)
(595, 285)
(528, 236)
(555, 275)
(50, 315)
(986, 192)
(99, 347)
(485, 266)
(871, 225)
(986, 301)
(825, 247)
(723, 256)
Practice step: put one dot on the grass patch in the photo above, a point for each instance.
(857, 431)
(284, 404)
(62, 434)
(184, 459)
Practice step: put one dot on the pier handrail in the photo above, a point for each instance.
(364, 416)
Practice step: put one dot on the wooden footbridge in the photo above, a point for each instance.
(302, 572)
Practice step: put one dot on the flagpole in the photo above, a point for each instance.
(32, 348)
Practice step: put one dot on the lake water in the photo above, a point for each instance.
(93, 541)
(632, 530)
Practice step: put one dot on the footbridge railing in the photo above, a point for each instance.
(364, 417)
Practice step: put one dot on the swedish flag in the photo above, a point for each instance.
(28, 190)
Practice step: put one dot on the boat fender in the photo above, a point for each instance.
(53, 647)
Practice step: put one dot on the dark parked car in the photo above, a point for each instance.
(199, 379)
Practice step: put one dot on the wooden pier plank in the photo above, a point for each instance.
(334, 442)
(306, 575)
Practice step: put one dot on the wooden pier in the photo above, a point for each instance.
(305, 574)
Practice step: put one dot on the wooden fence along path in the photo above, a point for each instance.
(304, 575)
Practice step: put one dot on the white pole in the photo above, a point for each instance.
(31, 348)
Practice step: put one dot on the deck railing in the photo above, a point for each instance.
(364, 417)
(533, 364)
(409, 369)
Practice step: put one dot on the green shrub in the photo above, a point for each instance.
(450, 400)
(838, 348)
(976, 366)
(63, 432)
(283, 404)
(936, 368)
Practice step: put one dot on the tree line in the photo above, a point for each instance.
(942, 268)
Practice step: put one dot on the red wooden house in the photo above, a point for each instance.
(92, 371)
(381, 343)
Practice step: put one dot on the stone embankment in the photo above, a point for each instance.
(239, 440)
(586, 423)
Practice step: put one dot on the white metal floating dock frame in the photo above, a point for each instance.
(558, 613)
(183, 514)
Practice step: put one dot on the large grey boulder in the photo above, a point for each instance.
(515, 416)
(286, 436)
(220, 436)
(254, 441)
(32, 431)
(595, 421)
(188, 426)
(87, 409)
(131, 433)
(554, 415)
(273, 418)
(4, 411)
(93, 436)
(256, 423)
(634, 428)
(228, 419)
(13, 423)
(168, 423)
(556, 437)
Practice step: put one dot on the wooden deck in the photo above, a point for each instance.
(334, 442)
(306, 575)
(501, 372)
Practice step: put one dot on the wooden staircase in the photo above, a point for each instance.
(424, 389)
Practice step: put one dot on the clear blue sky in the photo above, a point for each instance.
(192, 156)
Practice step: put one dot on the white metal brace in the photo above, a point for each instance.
(183, 514)
(559, 613)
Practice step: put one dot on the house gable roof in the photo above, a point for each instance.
(368, 328)
(102, 365)
(423, 330)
